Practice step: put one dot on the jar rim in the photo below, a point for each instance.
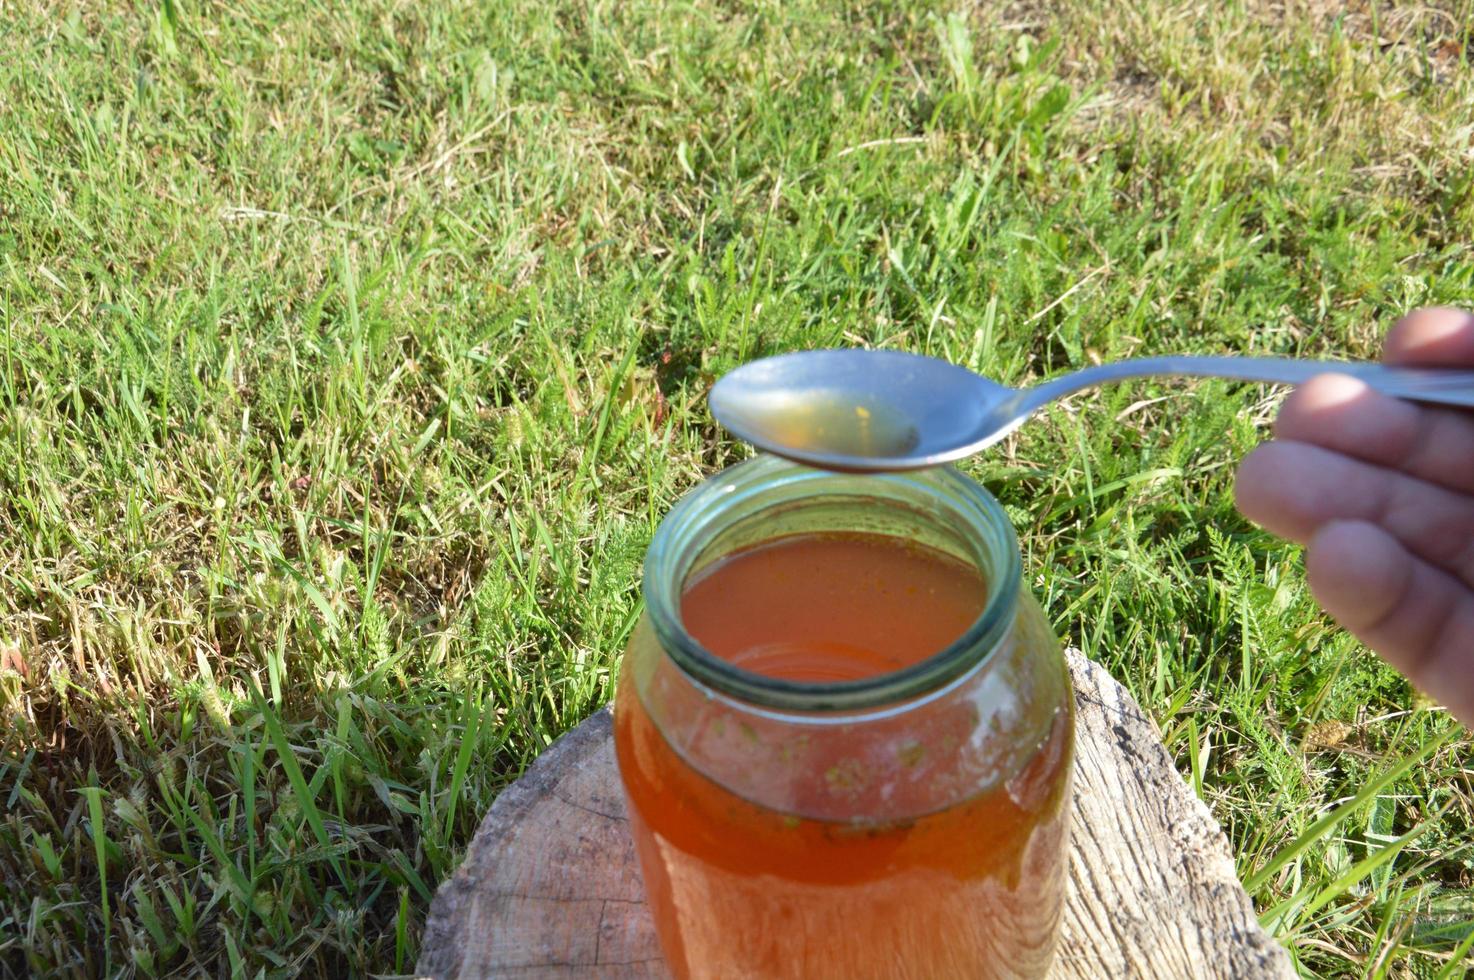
(767, 481)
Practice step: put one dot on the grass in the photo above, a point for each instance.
(351, 355)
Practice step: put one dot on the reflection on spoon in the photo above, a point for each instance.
(831, 420)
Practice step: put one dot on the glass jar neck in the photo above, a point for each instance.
(768, 497)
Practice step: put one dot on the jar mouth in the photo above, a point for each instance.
(768, 484)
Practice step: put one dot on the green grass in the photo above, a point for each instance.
(352, 354)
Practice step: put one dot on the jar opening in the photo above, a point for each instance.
(767, 498)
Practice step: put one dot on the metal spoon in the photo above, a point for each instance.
(866, 410)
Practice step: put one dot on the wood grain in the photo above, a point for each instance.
(550, 886)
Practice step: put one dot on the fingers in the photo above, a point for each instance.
(1414, 615)
(1294, 489)
(1438, 335)
(1341, 413)
(1382, 493)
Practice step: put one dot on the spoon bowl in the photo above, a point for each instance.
(876, 410)
(859, 410)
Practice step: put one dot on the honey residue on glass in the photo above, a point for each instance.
(743, 889)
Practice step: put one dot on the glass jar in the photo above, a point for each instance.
(908, 824)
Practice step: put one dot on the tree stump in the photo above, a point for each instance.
(550, 886)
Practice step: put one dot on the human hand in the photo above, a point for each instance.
(1381, 493)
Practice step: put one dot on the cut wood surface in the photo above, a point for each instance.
(550, 886)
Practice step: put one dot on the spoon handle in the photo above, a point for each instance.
(1442, 386)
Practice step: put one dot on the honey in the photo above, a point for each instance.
(876, 846)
